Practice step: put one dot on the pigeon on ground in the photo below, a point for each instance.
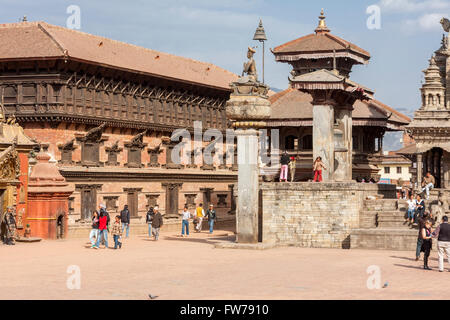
(385, 284)
(152, 297)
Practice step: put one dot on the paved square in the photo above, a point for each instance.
(191, 268)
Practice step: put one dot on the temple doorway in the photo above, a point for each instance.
(60, 227)
(432, 162)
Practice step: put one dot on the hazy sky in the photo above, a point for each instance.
(220, 31)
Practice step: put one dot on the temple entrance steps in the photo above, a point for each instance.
(382, 225)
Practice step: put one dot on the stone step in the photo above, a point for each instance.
(380, 205)
(387, 239)
(391, 219)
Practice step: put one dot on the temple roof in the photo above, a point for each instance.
(40, 40)
(321, 44)
(293, 104)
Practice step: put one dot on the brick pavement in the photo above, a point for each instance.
(191, 268)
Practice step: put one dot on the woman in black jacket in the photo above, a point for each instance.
(149, 219)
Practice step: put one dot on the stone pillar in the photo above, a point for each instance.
(323, 133)
(247, 202)
(343, 144)
(419, 169)
(247, 108)
(48, 200)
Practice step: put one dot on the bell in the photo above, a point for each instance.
(260, 34)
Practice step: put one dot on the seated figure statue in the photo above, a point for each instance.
(250, 67)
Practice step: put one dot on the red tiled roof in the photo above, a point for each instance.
(319, 42)
(40, 40)
(295, 104)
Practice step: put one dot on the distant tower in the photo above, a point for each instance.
(433, 90)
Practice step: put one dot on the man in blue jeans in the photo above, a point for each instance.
(186, 215)
(125, 219)
(211, 215)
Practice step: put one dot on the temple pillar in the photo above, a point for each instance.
(419, 169)
(248, 190)
(323, 133)
(343, 144)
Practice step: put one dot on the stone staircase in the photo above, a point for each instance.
(382, 225)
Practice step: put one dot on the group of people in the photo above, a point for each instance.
(416, 209)
(424, 240)
(198, 218)
(101, 221)
(289, 164)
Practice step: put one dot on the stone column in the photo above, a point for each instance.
(343, 144)
(419, 169)
(323, 133)
(247, 108)
(247, 202)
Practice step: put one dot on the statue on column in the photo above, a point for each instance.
(250, 66)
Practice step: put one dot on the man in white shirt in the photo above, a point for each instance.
(186, 215)
(411, 208)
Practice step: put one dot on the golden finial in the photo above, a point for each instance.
(322, 27)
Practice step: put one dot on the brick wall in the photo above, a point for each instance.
(314, 214)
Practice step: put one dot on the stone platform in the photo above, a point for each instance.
(319, 215)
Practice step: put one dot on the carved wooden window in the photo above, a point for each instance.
(66, 152)
(307, 142)
(152, 200)
(135, 147)
(222, 200)
(111, 203)
(29, 93)
(56, 88)
(190, 199)
(10, 94)
(88, 199)
(90, 146)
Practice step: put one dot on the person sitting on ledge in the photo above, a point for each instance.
(428, 184)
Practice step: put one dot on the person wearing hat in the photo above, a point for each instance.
(292, 167)
(212, 217)
(157, 222)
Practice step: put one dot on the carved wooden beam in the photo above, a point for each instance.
(83, 77)
(90, 80)
(117, 86)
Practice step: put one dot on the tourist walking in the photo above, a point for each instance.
(149, 219)
(426, 236)
(212, 217)
(102, 228)
(93, 235)
(442, 233)
(156, 223)
(185, 216)
(318, 166)
(421, 223)
(411, 209)
(284, 166)
(428, 183)
(125, 219)
(117, 232)
(200, 214)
